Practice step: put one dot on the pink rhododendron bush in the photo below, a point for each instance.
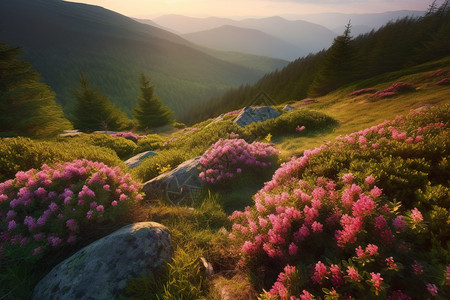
(230, 157)
(364, 217)
(58, 205)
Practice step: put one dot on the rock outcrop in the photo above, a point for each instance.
(179, 185)
(102, 269)
(249, 115)
(137, 159)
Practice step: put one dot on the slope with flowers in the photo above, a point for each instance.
(362, 217)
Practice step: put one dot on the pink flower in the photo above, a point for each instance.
(359, 252)
(238, 170)
(390, 263)
(376, 280)
(417, 267)
(306, 296)
(122, 197)
(37, 250)
(372, 249)
(89, 214)
(376, 192)
(100, 208)
(399, 223)
(53, 206)
(71, 224)
(352, 273)
(293, 249)
(114, 203)
(348, 178)
(317, 227)
(320, 272)
(370, 180)
(416, 215)
(432, 289)
(12, 225)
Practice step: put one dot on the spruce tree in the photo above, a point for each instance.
(93, 110)
(337, 67)
(27, 106)
(149, 111)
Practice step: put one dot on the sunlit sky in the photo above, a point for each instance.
(244, 8)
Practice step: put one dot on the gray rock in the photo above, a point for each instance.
(287, 107)
(249, 115)
(102, 269)
(70, 133)
(137, 159)
(179, 185)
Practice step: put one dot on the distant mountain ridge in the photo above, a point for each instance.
(63, 38)
(304, 36)
(245, 40)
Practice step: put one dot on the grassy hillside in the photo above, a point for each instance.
(405, 157)
(61, 38)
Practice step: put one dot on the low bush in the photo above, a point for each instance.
(288, 123)
(122, 146)
(395, 89)
(151, 143)
(21, 154)
(54, 206)
(363, 217)
(129, 136)
(362, 91)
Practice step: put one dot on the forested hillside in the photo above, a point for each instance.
(61, 39)
(398, 44)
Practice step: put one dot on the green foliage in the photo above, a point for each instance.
(93, 110)
(288, 122)
(152, 142)
(153, 165)
(27, 106)
(149, 111)
(19, 154)
(337, 67)
(123, 147)
(396, 45)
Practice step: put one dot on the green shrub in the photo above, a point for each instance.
(151, 143)
(123, 147)
(288, 123)
(20, 154)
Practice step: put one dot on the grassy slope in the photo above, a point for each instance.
(356, 113)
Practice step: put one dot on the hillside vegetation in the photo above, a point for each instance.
(112, 50)
(395, 46)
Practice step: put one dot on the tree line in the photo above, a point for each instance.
(396, 45)
(28, 106)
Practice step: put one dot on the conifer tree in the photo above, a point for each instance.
(337, 67)
(93, 110)
(27, 106)
(149, 111)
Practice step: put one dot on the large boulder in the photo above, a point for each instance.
(250, 114)
(102, 269)
(179, 185)
(137, 159)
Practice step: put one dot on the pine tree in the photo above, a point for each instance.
(94, 111)
(149, 111)
(27, 106)
(337, 67)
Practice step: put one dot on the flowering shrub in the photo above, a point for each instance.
(362, 91)
(362, 217)
(288, 123)
(395, 89)
(23, 153)
(56, 205)
(444, 81)
(226, 158)
(129, 136)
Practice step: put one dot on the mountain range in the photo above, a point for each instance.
(62, 39)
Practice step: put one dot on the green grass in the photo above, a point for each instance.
(356, 113)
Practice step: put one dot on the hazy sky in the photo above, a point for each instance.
(228, 8)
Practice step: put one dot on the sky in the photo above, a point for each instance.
(253, 8)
